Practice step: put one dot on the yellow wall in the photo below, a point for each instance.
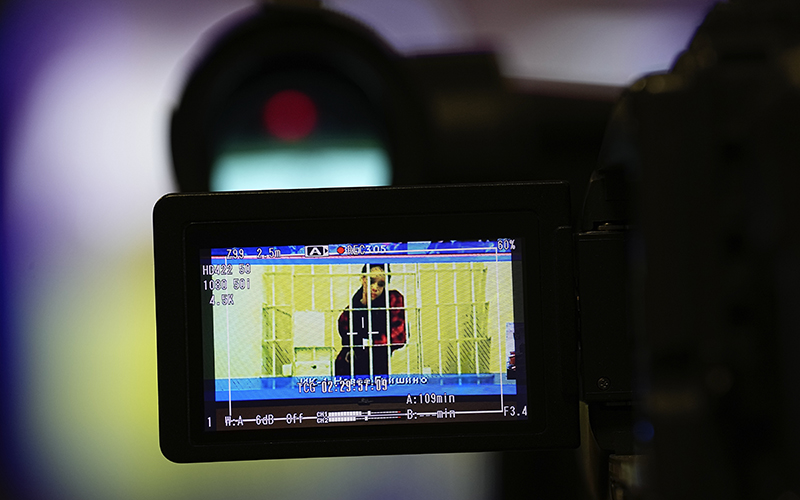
(452, 306)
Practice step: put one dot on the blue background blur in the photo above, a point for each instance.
(87, 87)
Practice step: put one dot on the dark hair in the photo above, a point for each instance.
(384, 267)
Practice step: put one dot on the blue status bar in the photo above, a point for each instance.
(430, 251)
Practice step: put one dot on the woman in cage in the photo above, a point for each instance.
(363, 326)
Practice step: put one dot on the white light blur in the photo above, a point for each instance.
(598, 46)
(572, 41)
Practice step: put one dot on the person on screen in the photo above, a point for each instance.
(364, 324)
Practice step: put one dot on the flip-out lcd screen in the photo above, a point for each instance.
(365, 321)
(326, 334)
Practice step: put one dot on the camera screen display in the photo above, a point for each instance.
(292, 325)
(362, 333)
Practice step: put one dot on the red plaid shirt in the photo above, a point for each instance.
(397, 323)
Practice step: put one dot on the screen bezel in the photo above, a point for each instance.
(220, 220)
(203, 236)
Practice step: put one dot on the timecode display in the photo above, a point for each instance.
(345, 385)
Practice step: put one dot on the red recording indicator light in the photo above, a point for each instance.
(290, 115)
(340, 250)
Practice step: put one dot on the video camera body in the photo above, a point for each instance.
(488, 358)
(682, 239)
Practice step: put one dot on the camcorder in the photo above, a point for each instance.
(477, 304)
(283, 352)
(314, 327)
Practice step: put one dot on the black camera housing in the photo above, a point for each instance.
(537, 214)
